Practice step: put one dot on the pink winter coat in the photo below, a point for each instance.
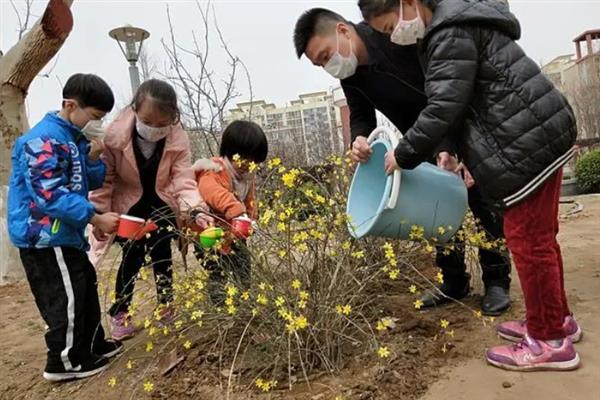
(122, 189)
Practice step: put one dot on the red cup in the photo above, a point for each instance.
(241, 227)
(130, 227)
(149, 226)
(134, 227)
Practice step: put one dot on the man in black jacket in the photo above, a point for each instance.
(378, 75)
(517, 131)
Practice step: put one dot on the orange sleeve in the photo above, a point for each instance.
(214, 191)
(250, 202)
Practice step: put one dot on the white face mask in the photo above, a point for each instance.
(151, 133)
(341, 67)
(408, 32)
(93, 130)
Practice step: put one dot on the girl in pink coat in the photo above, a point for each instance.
(148, 175)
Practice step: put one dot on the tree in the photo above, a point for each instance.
(204, 98)
(18, 67)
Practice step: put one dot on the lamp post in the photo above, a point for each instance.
(130, 40)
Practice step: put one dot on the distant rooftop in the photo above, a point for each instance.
(594, 33)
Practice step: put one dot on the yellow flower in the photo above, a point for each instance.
(266, 386)
(444, 323)
(252, 166)
(441, 230)
(245, 296)
(450, 333)
(262, 299)
(412, 289)
(383, 352)
(187, 345)
(254, 312)
(429, 248)
(148, 386)
(380, 326)
(477, 314)
(279, 301)
(149, 347)
(147, 323)
(262, 286)
(302, 304)
(282, 253)
(346, 245)
(439, 277)
(418, 304)
(394, 274)
(281, 227)
(232, 291)
(301, 322)
(152, 331)
(358, 254)
(130, 364)
(231, 310)
(112, 382)
(344, 310)
(303, 295)
(296, 284)
(229, 301)
(302, 247)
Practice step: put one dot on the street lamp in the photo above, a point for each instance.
(130, 40)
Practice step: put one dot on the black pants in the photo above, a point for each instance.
(64, 285)
(158, 247)
(234, 267)
(495, 265)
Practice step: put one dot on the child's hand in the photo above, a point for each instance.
(96, 149)
(99, 235)
(107, 222)
(390, 162)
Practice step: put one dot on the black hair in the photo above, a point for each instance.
(246, 139)
(163, 97)
(374, 8)
(89, 90)
(312, 22)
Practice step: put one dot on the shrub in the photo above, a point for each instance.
(315, 298)
(587, 172)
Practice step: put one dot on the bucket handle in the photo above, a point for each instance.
(386, 133)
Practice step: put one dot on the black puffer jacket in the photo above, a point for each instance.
(518, 129)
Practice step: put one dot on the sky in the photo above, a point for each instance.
(259, 32)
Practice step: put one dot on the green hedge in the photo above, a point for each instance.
(587, 172)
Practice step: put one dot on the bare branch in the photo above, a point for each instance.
(23, 22)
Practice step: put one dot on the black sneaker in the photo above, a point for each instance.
(92, 366)
(108, 348)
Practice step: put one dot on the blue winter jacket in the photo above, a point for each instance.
(48, 191)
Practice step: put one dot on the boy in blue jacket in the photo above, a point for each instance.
(54, 165)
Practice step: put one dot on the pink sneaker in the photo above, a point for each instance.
(534, 355)
(122, 327)
(516, 330)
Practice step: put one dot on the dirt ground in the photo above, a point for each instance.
(419, 370)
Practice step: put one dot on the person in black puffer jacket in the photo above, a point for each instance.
(518, 131)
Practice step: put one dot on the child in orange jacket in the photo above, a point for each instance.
(227, 184)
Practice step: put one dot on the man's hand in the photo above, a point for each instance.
(390, 162)
(447, 161)
(361, 151)
(466, 175)
(96, 149)
(106, 223)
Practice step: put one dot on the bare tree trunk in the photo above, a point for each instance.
(18, 68)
